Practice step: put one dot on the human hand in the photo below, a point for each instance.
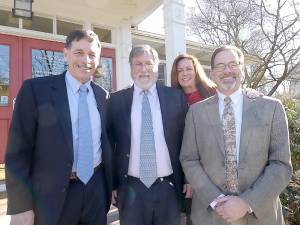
(24, 218)
(231, 208)
(187, 189)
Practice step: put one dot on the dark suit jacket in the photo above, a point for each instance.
(173, 110)
(39, 153)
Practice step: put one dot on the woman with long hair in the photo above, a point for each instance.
(188, 75)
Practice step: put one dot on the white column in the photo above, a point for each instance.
(121, 37)
(174, 21)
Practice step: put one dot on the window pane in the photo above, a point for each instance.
(4, 74)
(104, 77)
(103, 34)
(39, 24)
(64, 28)
(6, 19)
(161, 73)
(47, 63)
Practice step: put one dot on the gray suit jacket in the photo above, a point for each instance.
(264, 162)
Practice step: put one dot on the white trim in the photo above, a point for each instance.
(41, 35)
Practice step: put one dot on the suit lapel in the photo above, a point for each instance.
(126, 106)
(163, 101)
(100, 108)
(61, 105)
(249, 119)
(215, 121)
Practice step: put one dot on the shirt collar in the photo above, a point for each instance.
(151, 90)
(235, 96)
(74, 84)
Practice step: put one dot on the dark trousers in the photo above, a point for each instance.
(85, 204)
(157, 205)
(187, 209)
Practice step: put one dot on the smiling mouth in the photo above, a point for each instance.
(84, 67)
(228, 78)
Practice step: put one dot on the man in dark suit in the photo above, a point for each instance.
(58, 165)
(147, 186)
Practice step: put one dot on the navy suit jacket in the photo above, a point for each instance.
(39, 153)
(173, 110)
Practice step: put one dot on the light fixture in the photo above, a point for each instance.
(23, 9)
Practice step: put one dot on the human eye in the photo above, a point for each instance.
(233, 65)
(137, 65)
(92, 56)
(77, 52)
(219, 67)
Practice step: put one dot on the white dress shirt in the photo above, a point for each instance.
(73, 86)
(164, 167)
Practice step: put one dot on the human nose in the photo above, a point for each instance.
(227, 68)
(86, 59)
(144, 67)
(185, 71)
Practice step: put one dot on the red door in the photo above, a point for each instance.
(23, 58)
(9, 84)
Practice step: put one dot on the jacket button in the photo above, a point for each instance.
(125, 176)
(127, 155)
(63, 190)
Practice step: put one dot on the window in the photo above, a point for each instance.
(64, 28)
(39, 24)
(104, 75)
(4, 74)
(103, 34)
(47, 63)
(162, 73)
(6, 19)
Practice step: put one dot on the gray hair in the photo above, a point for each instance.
(77, 35)
(138, 49)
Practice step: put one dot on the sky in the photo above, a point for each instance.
(155, 22)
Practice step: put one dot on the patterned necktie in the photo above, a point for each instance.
(148, 172)
(230, 146)
(85, 150)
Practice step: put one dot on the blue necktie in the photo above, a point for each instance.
(85, 166)
(148, 169)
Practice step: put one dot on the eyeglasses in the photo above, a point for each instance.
(222, 66)
(139, 66)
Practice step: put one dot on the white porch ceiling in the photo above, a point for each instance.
(110, 12)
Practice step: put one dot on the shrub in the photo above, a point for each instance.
(291, 195)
